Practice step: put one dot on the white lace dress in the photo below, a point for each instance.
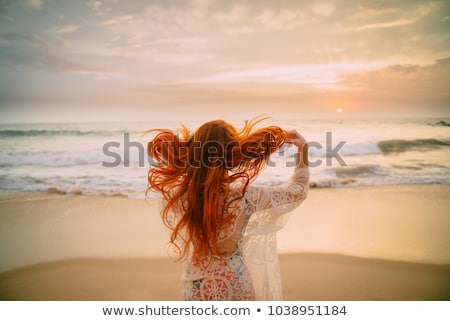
(249, 270)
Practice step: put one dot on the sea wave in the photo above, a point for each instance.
(51, 133)
(377, 175)
(347, 149)
(363, 170)
(383, 147)
(401, 145)
(50, 158)
(73, 158)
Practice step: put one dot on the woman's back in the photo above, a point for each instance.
(222, 276)
(249, 258)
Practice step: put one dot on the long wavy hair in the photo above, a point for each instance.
(193, 173)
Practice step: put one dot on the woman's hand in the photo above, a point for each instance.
(294, 137)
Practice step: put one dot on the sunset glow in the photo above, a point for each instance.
(136, 60)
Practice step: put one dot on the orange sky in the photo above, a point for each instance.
(140, 60)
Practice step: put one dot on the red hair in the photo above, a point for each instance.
(193, 173)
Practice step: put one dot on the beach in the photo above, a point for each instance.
(353, 243)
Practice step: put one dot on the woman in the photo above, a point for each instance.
(223, 227)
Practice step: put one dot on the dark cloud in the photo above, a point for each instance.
(404, 85)
(35, 52)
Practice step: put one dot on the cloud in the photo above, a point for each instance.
(240, 30)
(95, 5)
(100, 8)
(280, 20)
(36, 52)
(389, 17)
(179, 51)
(389, 24)
(405, 84)
(324, 9)
(32, 4)
(117, 20)
(67, 29)
(181, 58)
(317, 76)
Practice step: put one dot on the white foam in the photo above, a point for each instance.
(76, 163)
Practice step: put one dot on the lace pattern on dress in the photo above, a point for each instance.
(225, 279)
(252, 270)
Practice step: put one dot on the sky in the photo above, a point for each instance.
(116, 60)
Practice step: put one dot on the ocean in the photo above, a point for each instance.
(110, 158)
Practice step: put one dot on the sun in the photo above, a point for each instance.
(340, 109)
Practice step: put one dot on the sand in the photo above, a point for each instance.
(75, 247)
(305, 277)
